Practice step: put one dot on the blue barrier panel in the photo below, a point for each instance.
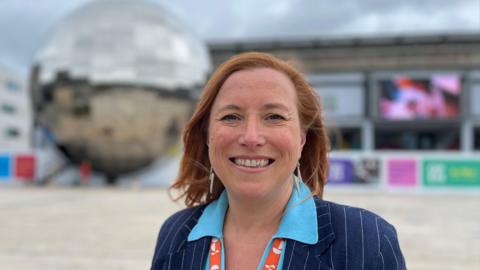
(5, 167)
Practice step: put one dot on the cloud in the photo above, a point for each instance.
(425, 16)
(313, 18)
(25, 25)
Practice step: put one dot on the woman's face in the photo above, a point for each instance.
(254, 134)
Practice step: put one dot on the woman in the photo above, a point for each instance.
(252, 174)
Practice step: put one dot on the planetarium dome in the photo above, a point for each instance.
(125, 41)
(115, 84)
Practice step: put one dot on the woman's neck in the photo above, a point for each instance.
(255, 217)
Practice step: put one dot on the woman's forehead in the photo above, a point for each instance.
(258, 75)
(261, 85)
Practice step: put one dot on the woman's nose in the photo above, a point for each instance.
(252, 134)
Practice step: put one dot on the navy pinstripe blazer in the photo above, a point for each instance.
(349, 238)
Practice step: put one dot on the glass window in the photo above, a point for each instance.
(8, 108)
(12, 86)
(11, 133)
(411, 139)
(345, 138)
(475, 100)
(476, 138)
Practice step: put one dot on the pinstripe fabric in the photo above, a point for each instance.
(349, 238)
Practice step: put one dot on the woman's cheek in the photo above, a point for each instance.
(218, 140)
(223, 135)
(286, 139)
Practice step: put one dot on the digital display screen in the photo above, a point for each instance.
(407, 98)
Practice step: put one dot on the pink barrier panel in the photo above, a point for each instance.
(402, 172)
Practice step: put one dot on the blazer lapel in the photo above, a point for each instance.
(303, 256)
(191, 257)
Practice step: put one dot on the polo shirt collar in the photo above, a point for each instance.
(299, 221)
(210, 222)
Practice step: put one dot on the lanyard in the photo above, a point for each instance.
(270, 263)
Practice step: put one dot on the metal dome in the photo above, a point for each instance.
(114, 84)
(127, 42)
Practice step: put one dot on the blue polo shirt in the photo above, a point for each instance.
(299, 223)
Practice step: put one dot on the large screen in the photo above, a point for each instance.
(407, 98)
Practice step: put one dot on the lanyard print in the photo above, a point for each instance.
(215, 257)
(271, 263)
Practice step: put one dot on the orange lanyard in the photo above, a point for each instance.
(272, 259)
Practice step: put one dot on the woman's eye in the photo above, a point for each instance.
(275, 117)
(230, 118)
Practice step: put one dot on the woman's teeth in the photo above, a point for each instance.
(252, 163)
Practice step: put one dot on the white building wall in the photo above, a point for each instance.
(15, 113)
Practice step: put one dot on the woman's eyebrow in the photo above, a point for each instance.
(280, 106)
(267, 106)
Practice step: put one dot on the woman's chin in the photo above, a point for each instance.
(250, 193)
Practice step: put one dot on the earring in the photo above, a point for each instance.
(298, 178)
(212, 178)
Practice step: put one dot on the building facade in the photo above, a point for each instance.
(401, 111)
(17, 162)
(15, 113)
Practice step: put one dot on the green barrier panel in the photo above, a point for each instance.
(451, 173)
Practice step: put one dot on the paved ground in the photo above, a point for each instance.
(100, 228)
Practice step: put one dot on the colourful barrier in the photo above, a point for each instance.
(25, 167)
(402, 172)
(390, 171)
(405, 171)
(17, 167)
(5, 167)
(450, 173)
(354, 171)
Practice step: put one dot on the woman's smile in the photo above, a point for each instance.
(252, 164)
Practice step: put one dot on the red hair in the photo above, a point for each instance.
(193, 176)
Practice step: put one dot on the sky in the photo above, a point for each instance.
(27, 24)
